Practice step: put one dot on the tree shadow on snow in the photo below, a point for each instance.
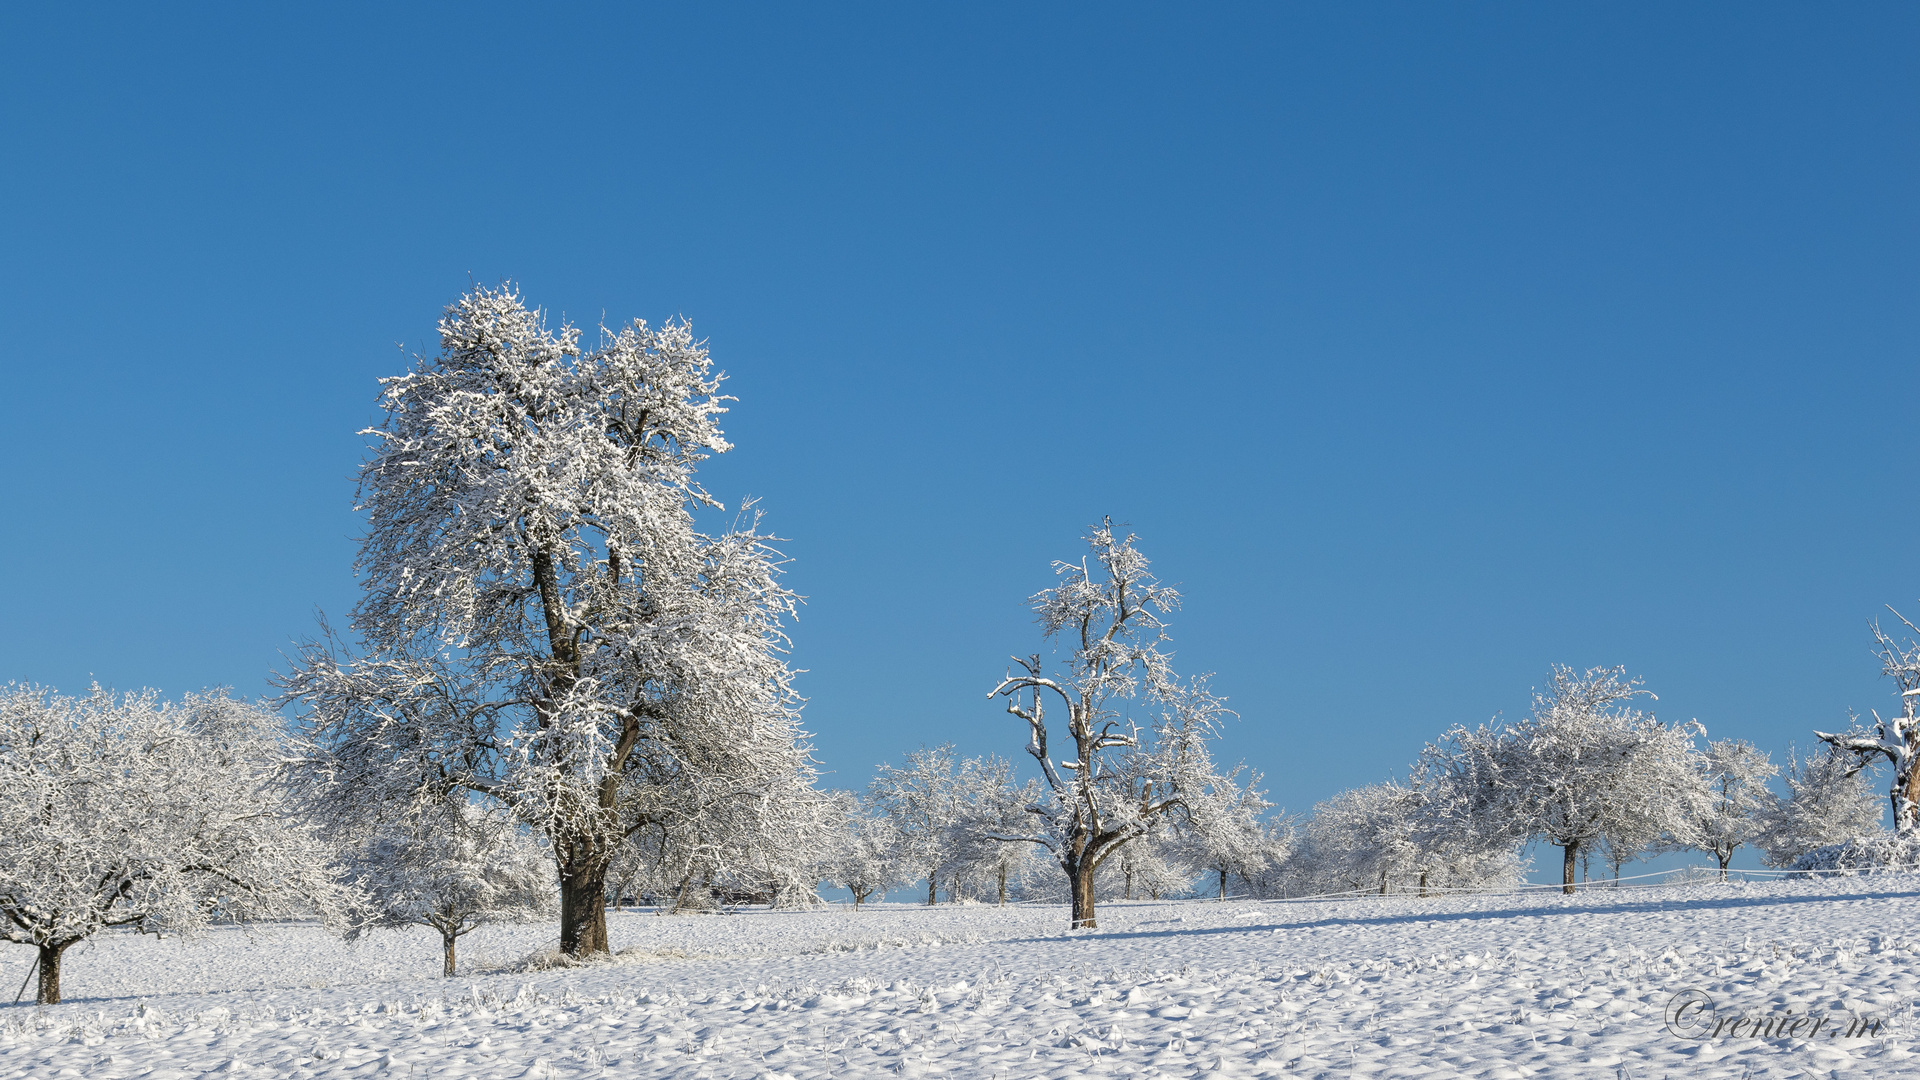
(1576, 908)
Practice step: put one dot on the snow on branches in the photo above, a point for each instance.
(1585, 769)
(1828, 802)
(123, 810)
(1734, 773)
(1897, 739)
(542, 623)
(1138, 733)
(454, 871)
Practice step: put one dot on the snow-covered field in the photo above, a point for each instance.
(1503, 986)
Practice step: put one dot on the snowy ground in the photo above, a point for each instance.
(1509, 986)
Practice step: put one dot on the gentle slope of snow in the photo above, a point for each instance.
(1493, 986)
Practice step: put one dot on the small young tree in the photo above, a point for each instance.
(1829, 801)
(1896, 739)
(1122, 699)
(867, 856)
(454, 871)
(126, 811)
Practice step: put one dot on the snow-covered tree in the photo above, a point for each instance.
(454, 871)
(542, 623)
(1584, 769)
(1829, 802)
(922, 799)
(122, 810)
(990, 803)
(1280, 836)
(1734, 773)
(1123, 701)
(1896, 739)
(772, 846)
(1386, 837)
(867, 854)
(1361, 839)
(1155, 865)
(1223, 828)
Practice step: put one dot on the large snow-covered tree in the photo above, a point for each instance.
(542, 622)
(123, 810)
(454, 871)
(1896, 738)
(1585, 768)
(1137, 734)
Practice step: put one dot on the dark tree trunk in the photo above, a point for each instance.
(1423, 884)
(932, 878)
(1725, 856)
(1223, 883)
(50, 973)
(1003, 886)
(447, 940)
(1080, 881)
(583, 908)
(1572, 857)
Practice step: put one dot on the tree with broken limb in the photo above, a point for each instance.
(1896, 739)
(121, 810)
(542, 622)
(1138, 733)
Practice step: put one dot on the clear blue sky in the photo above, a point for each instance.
(1423, 345)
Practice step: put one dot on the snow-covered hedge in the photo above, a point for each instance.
(1864, 854)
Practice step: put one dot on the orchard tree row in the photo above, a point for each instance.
(557, 689)
(560, 690)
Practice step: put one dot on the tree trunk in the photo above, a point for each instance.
(1725, 858)
(447, 940)
(50, 973)
(1223, 884)
(1572, 850)
(1423, 884)
(1128, 893)
(583, 908)
(1906, 798)
(1003, 886)
(1080, 881)
(932, 879)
